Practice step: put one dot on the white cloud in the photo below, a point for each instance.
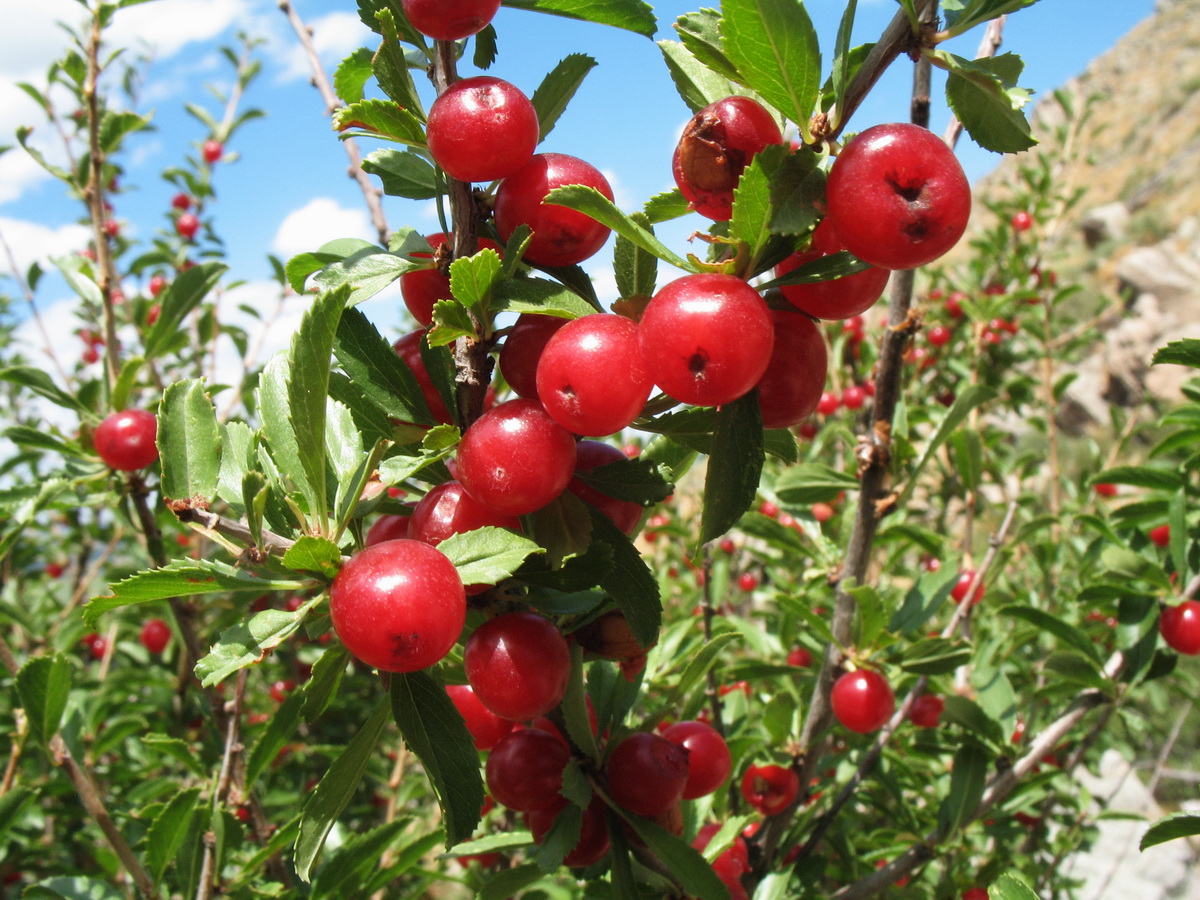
(31, 242)
(320, 220)
(621, 195)
(170, 25)
(335, 36)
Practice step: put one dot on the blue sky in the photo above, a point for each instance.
(288, 190)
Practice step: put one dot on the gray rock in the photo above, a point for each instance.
(1105, 223)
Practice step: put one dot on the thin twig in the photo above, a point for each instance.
(34, 312)
(233, 749)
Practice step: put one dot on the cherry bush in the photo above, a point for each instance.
(734, 586)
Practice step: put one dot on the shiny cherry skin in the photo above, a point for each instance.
(939, 335)
(125, 440)
(625, 514)
(155, 635)
(959, 592)
(482, 129)
(561, 236)
(1161, 536)
(862, 700)
(1021, 221)
(450, 20)
(213, 151)
(448, 509)
(715, 148)
(1180, 627)
(590, 378)
(523, 348)
(706, 339)
(800, 656)
(898, 197)
(791, 387)
(926, 711)
(515, 459)
(422, 288)
(647, 774)
(518, 665)
(709, 761)
(398, 606)
(840, 298)
(524, 770)
(770, 789)
(593, 840)
(387, 528)
(975, 893)
(485, 726)
(731, 863)
(187, 225)
(408, 348)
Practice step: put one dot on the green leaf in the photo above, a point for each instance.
(537, 295)
(697, 668)
(774, 46)
(1065, 632)
(988, 105)
(1155, 479)
(178, 301)
(966, 449)
(560, 839)
(43, 385)
(403, 173)
(116, 125)
(557, 88)
(962, 16)
(322, 687)
(641, 480)
(809, 483)
(314, 554)
(189, 443)
(636, 269)
(701, 33)
(824, 268)
(472, 278)
(43, 685)
(508, 882)
(975, 395)
(168, 830)
(840, 77)
(969, 715)
(350, 870)
(367, 271)
(1171, 828)
(696, 83)
(352, 75)
(685, 863)
(734, 466)
(280, 728)
(935, 656)
(968, 777)
(434, 730)
(631, 15)
(1180, 353)
(376, 370)
(183, 578)
(72, 887)
(629, 580)
(380, 118)
(391, 68)
(1009, 886)
(451, 320)
(335, 789)
(487, 555)
(126, 381)
(591, 202)
(247, 643)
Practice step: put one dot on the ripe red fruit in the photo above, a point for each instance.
(561, 236)
(523, 348)
(518, 665)
(1180, 627)
(1106, 490)
(112, 228)
(862, 700)
(731, 863)
(398, 606)
(421, 288)
(408, 348)
(593, 840)
(125, 440)
(55, 570)
(280, 689)
(770, 789)
(524, 770)
(450, 20)
(187, 225)
(590, 378)
(387, 528)
(157, 284)
(841, 298)
(708, 760)
(975, 893)
(898, 197)
(515, 459)
(822, 512)
(926, 711)
(800, 656)
(716, 146)
(448, 509)
(625, 514)
(485, 726)
(959, 592)
(213, 151)
(181, 202)
(854, 397)
(706, 339)
(747, 582)
(939, 335)
(769, 509)
(647, 774)
(1161, 536)
(828, 403)
(791, 387)
(1022, 221)
(481, 129)
(155, 636)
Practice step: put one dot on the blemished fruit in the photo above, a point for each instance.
(481, 129)
(450, 20)
(926, 711)
(1180, 627)
(155, 635)
(708, 761)
(593, 840)
(791, 387)
(485, 726)
(561, 236)
(706, 339)
(647, 774)
(862, 700)
(625, 514)
(398, 606)
(590, 377)
(422, 288)
(213, 151)
(524, 771)
(840, 298)
(770, 789)
(515, 459)
(898, 197)
(715, 148)
(125, 440)
(518, 665)
(187, 225)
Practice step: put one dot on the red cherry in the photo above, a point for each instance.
(747, 582)
(408, 348)
(926, 711)
(898, 197)
(959, 592)
(387, 528)
(862, 700)
(422, 288)
(822, 512)
(716, 146)
(561, 236)
(482, 129)
(709, 761)
(97, 647)
(1022, 221)
(939, 335)
(157, 284)
(181, 201)
(398, 606)
(625, 514)
(647, 774)
(524, 770)
(800, 656)
(975, 893)
(731, 863)
(770, 789)
(1180, 627)
(450, 20)
(280, 689)
(213, 151)
(593, 840)
(112, 228)
(791, 387)
(448, 509)
(841, 298)
(854, 397)
(590, 377)
(727, 546)
(55, 570)
(155, 636)
(187, 225)
(523, 349)
(706, 339)
(769, 509)
(518, 665)
(1161, 536)
(515, 459)
(954, 305)
(485, 726)
(125, 440)
(829, 403)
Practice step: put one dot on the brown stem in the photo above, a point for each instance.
(993, 37)
(233, 749)
(272, 543)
